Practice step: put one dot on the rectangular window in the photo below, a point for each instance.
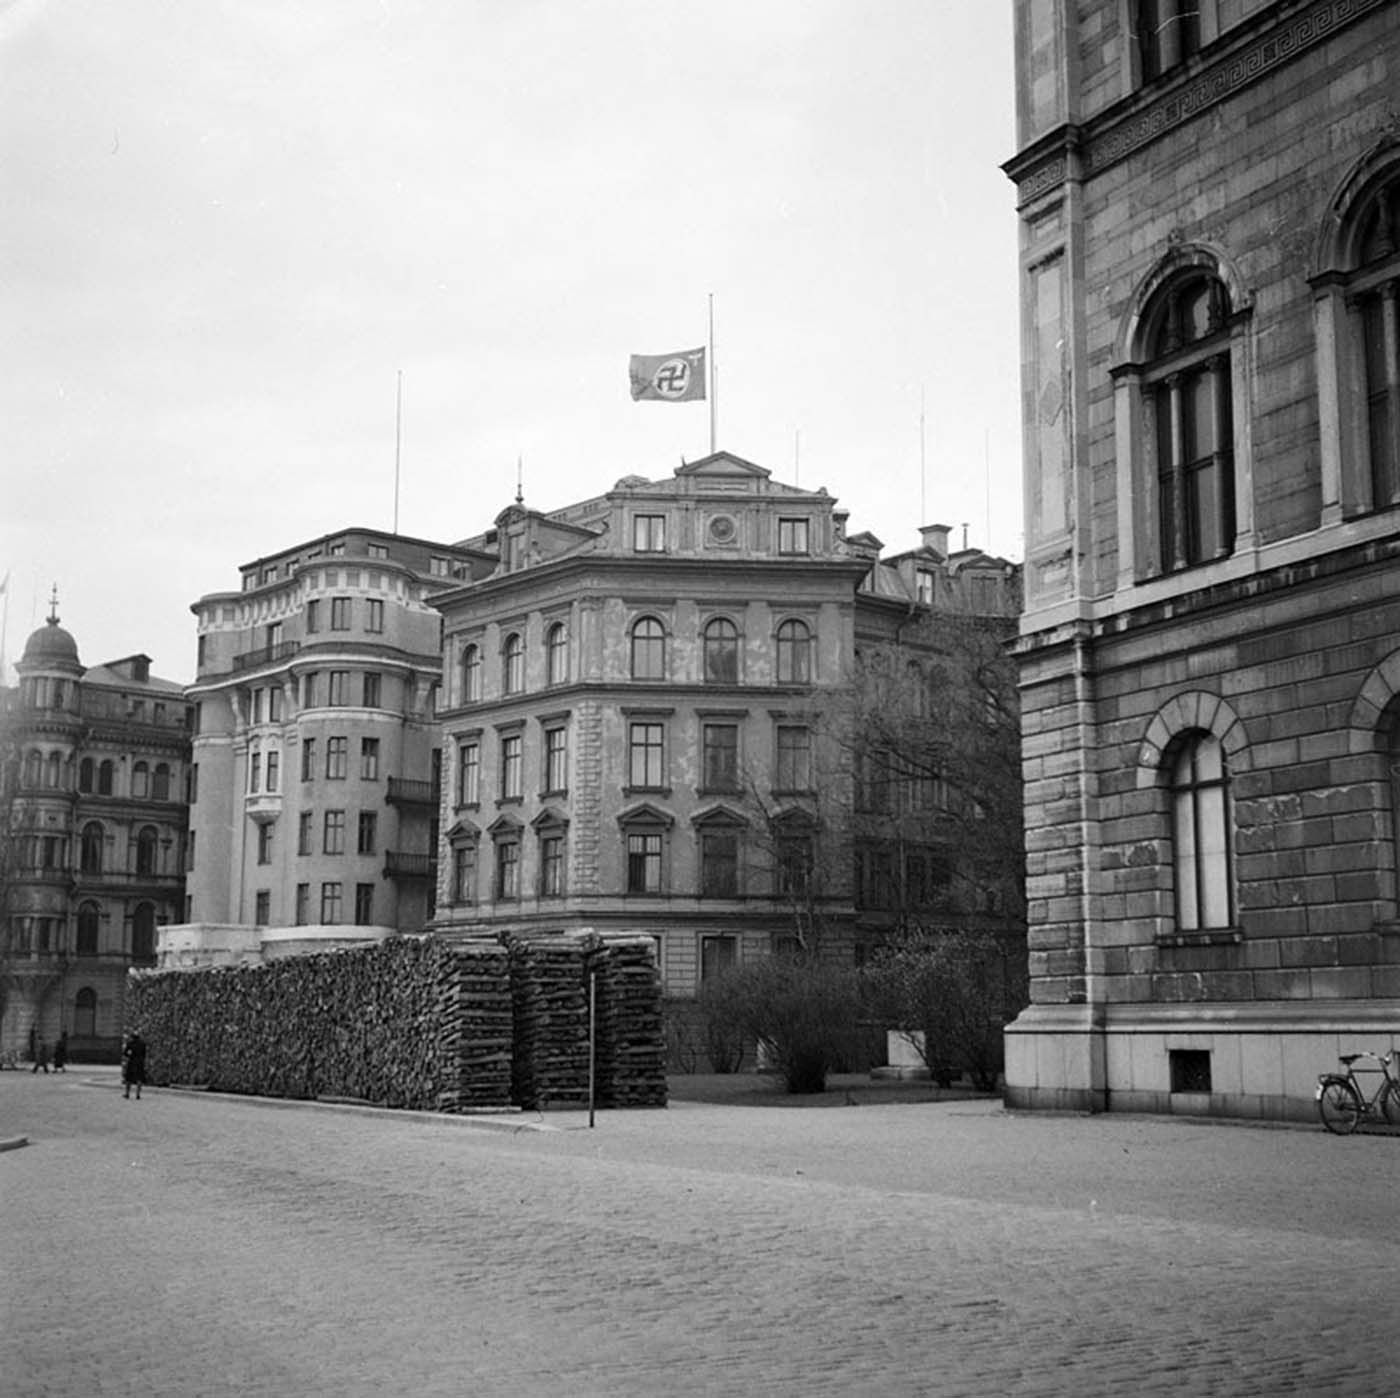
(369, 759)
(333, 833)
(189, 851)
(556, 760)
(364, 905)
(337, 758)
(304, 821)
(374, 615)
(649, 533)
(464, 873)
(265, 843)
(925, 583)
(469, 774)
(512, 767)
(378, 551)
(303, 911)
(439, 567)
(794, 865)
(644, 863)
(313, 616)
(340, 613)
(339, 687)
(507, 869)
(792, 536)
(308, 759)
(274, 703)
(311, 689)
(274, 769)
(259, 706)
(794, 771)
(646, 755)
(364, 842)
(719, 744)
(371, 691)
(719, 952)
(719, 864)
(254, 774)
(192, 784)
(262, 907)
(551, 866)
(330, 904)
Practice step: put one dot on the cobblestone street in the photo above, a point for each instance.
(198, 1245)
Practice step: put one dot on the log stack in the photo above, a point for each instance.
(477, 1019)
(630, 1062)
(550, 998)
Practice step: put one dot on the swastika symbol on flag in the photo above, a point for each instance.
(672, 379)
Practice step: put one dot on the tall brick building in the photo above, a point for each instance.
(1209, 194)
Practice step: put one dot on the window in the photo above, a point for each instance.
(304, 825)
(369, 759)
(104, 779)
(192, 783)
(1377, 290)
(259, 706)
(1200, 834)
(308, 759)
(794, 653)
(337, 758)
(274, 769)
(792, 536)
(143, 932)
(189, 850)
(721, 649)
(556, 650)
(719, 748)
(140, 777)
(556, 760)
(649, 533)
(85, 1013)
(374, 615)
(364, 905)
(719, 952)
(551, 864)
(274, 634)
(719, 862)
(274, 704)
(644, 862)
(464, 872)
(648, 649)
(378, 550)
(340, 613)
(365, 837)
(90, 851)
(471, 674)
(86, 770)
(646, 755)
(255, 771)
(794, 767)
(512, 767)
(513, 664)
(330, 904)
(311, 689)
(333, 833)
(794, 863)
(924, 584)
(262, 907)
(1167, 32)
(89, 923)
(469, 774)
(1186, 385)
(508, 866)
(147, 847)
(313, 616)
(371, 689)
(265, 843)
(339, 687)
(440, 567)
(303, 904)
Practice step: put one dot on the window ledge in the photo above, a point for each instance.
(1213, 937)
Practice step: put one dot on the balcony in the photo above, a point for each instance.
(399, 865)
(263, 806)
(266, 655)
(405, 792)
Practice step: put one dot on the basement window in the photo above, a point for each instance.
(1190, 1070)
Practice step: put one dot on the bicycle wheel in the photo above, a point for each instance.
(1390, 1103)
(1338, 1105)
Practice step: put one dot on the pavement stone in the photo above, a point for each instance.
(196, 1244)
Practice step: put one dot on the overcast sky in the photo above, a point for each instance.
(227, 225)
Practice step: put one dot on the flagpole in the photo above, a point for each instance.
(398, 439)
(714, 377)
(4, 625)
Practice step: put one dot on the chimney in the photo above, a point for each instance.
(935, 537)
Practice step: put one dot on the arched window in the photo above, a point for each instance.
(1201, 834)
(471, 674)
(1377, 286)
(85, 1013)
(53, 776)
(90, 851)
(556, 648)
(513, 664)
(648, 649)
(1186, 386)
(87, 771)
(721, 646)
(89, 922)
(147, 846)
(33, 768)
(160, 782)
(794, 653)
(104, 779)
(140, 780)
(143, 932)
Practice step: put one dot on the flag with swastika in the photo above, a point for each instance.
(668, 378)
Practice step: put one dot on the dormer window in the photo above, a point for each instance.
(793, 536)
(649, 533)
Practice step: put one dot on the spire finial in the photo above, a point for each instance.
(53, 606)
(520, 479)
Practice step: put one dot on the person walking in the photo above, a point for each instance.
(41, 1056)
(60, 1053)
(133, 1065)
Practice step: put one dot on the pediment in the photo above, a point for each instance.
(723, 465)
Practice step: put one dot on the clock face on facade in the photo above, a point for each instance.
(723, 529)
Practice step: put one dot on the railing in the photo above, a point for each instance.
(404, 791)
(267, 655)
(400, 865)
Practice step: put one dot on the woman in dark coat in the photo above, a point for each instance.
(133, 1065)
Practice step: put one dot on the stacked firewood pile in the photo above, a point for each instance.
(480, 1019)
(550, 997)
(630, 1053)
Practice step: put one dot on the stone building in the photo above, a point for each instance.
(93, 794)
(630, 700)
(1209, 199)
(314, 786)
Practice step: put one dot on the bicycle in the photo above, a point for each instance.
(1342, 1101)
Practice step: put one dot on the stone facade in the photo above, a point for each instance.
(1210, 648)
